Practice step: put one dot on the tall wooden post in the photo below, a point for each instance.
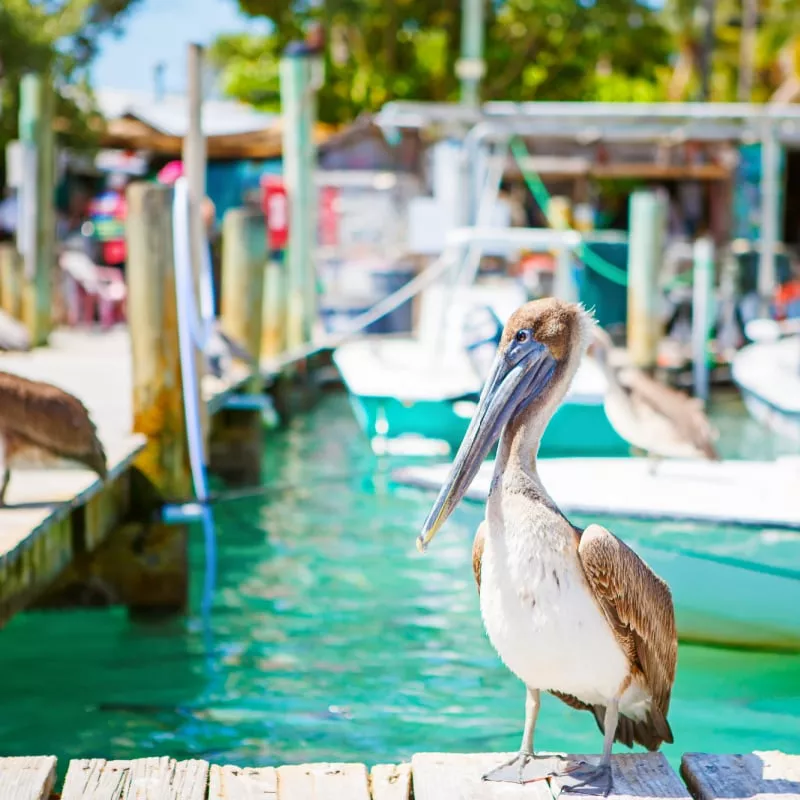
(236, 431)
(11, 280)
(298, 112)
(244, 261)
(143, 564)
(194, 162)
(158, 407)
(37, 214)
(645, 248)
(273, 315)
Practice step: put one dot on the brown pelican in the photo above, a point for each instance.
(663, 422)
(40, 420)
(573, 612)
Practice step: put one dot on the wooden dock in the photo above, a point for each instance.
(429, 776)
(53, 514)
(757, 494)
(56, 542)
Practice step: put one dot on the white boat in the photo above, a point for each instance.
(768, 376)
(736, 583)
(418, 394)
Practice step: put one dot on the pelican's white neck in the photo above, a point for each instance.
(519, 442)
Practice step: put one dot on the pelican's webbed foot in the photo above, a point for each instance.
(584, 778)
(523, 768)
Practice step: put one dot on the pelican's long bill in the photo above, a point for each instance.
(518, 375)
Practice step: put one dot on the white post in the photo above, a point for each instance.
(645, 247)
(564, 286)
(702, 319)
(770, 212)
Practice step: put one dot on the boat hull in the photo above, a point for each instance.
(576, 428)
(768, 377)
(727, 603)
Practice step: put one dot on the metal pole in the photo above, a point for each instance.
(747, 50)
(645, 246)
(706, 15)
(770, 211)
(37, 224)
(702, 318)
(470, 67)
(30, 113)
(297, 108)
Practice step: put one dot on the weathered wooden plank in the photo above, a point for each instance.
(457, 776)
(235, 783)
(142, 779)
(635, 775)
(390, 782)
(323, 782)
(27, 777)
(755, 775)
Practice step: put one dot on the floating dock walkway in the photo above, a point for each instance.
(429, 776)
(760, 494)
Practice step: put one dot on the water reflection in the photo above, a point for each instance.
(333, 639)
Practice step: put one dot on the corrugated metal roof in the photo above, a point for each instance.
(170, 114)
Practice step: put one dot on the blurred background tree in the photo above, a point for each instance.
(379, 51)
(59, 38)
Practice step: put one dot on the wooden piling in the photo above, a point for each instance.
(236, 442)
(244, 260)
(10, 280)
(645, 247)
(143, 564)
(273, 315)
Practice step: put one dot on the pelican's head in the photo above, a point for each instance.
(539, 351)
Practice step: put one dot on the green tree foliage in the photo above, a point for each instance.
(775, 55)
(59, 38)
(406, 49)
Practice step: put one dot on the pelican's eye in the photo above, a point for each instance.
(522, 336)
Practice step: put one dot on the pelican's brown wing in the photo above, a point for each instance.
(45, 417)
(477, 553)
(685, 413)
(638, 607)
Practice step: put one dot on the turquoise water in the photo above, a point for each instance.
(332, 638)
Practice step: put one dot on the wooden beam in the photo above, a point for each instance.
(390, 782)
(324, 782)
(656, 172)
(757, 776)
(140, 779)
(27, 777)
(237, 783)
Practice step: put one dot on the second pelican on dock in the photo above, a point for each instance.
(650, 416)
(40, 420)
(570, 611)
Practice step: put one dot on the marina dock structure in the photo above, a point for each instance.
(429, 776)
(65, 536)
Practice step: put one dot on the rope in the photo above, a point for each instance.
(606, 269)
(383, 307)
(540, 194)
(194, 331)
